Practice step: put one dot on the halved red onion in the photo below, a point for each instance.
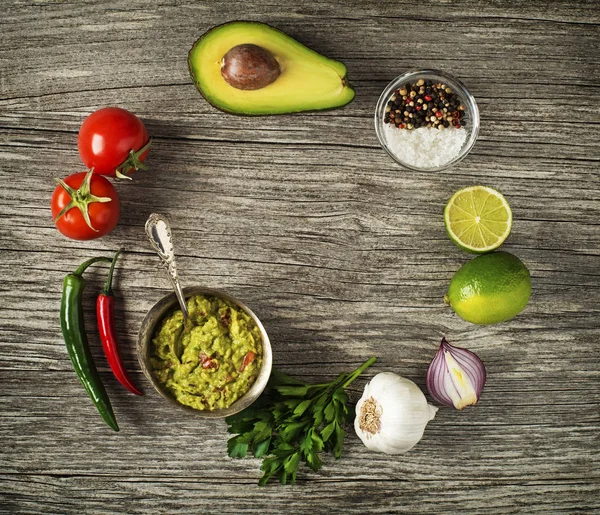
(455, 377)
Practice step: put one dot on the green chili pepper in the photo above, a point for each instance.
(71, 323)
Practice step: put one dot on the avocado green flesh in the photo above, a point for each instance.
(202, 365)
(308, 80)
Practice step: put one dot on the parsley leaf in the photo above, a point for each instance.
(260, 449)
(328, 430)
(237, 447)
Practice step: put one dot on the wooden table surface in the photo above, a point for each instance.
(339, 251)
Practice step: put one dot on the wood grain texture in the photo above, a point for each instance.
(340, 252)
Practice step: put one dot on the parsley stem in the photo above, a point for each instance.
(359, 371)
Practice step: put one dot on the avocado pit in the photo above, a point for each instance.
(249, 67)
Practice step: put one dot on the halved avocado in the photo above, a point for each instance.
(306, 80)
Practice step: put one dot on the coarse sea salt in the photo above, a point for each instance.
(425, 147)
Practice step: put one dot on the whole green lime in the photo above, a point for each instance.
(489, 289)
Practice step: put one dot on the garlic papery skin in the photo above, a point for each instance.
(392, 414)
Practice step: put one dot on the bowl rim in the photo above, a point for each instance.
(146, 332)
(458, 87)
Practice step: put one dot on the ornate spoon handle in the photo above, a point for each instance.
(158, 230)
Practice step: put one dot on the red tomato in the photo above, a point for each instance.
(91, 193)
(107, 138)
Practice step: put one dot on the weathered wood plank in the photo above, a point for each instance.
(341, 253)
(420, 497)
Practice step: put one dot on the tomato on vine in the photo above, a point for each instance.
(112, 141)
(85, 206)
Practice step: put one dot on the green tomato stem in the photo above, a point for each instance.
(81, 198)
(132, 162)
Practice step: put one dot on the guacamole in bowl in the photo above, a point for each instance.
(215, 365)
(211, 362)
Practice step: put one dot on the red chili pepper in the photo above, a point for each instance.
(248, 358)
(105, 307)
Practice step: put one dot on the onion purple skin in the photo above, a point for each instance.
(468, 361)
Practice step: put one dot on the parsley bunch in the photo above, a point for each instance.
(293, 421)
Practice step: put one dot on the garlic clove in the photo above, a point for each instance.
(412, 418)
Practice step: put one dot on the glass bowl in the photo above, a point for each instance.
(144, 348)
(471, 114)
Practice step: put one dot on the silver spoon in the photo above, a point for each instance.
(158, 230)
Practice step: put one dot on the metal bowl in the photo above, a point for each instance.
(145, 347)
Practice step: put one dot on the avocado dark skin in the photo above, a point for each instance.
(249, 67)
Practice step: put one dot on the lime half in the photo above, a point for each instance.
(478, 219)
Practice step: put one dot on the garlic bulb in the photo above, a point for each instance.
(392, 414)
